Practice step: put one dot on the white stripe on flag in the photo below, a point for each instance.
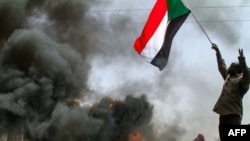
(156, 41)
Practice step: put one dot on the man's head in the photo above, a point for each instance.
(234, 69)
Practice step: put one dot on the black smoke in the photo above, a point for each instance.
(36, 73)
(45, 60)
(101, 122)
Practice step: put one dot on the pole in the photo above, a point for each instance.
(199, 24)
(201, 28)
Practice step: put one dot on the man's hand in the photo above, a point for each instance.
(215, 47)
(241, 53)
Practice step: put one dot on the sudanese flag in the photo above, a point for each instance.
(164, 21)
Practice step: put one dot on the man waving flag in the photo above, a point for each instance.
(155, 41)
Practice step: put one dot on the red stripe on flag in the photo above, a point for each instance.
(154, 20)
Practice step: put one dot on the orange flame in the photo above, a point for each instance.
(136, 136)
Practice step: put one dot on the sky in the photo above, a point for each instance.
(89, 50)
(187, 89)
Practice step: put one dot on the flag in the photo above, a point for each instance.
(164, 21)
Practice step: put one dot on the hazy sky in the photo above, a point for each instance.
(187, 89)
(102, 33)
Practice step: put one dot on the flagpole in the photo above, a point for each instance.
(199, 25)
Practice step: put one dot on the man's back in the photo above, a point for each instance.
(230, 100)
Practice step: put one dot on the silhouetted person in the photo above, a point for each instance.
(236, 84)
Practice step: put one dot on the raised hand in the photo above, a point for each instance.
(241, 53)
(215, 47)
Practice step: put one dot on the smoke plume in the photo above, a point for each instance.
(47, 48)
(39, 75)
(105, 121)
(36, 73)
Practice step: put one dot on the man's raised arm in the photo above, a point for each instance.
(221, 63)
(245, 71)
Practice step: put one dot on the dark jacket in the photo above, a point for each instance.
(234, 88)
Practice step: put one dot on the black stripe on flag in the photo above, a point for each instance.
(161, 58)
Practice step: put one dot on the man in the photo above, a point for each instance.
(236, 84)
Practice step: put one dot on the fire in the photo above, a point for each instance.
(136, 136)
